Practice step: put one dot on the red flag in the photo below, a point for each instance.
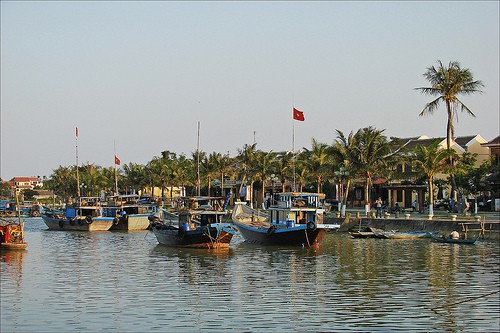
(117, 160)
(298, 115)
(76, 132)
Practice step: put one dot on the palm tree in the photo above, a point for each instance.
(370, 155)
(341, 153)
(284, 168)
(447, 82)
(429, 161)
(246, 158)
(318, 162)
(263, 165)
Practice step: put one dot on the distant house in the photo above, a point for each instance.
(23, 183)
(473, 144)
(405, 191)
(494, 146)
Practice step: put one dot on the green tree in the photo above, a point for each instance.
(4, 189)
(264, 162)
(245, 163)
(371, 155)
(342, 152)
(429, 161)
(318, 162)
(447, 83)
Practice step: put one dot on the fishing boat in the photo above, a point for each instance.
(11, 235)
(197, 224)
(408, 235)
(129, 212)
(444, 239)
(368, 232)
(85, 215)
(12, 232)
(295, 218)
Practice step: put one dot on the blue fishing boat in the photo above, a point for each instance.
(83, 215)
(194, 225)
(295, 219)
(444, 239)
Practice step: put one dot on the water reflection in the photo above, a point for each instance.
(126, 282)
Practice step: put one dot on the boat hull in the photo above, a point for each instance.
(453, 241)
(131, 222)
(297, 236)
(213, 237)
(97, 224)
(13, 246)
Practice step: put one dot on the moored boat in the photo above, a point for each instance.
(295, 219)
(129, 212)
(194, 225)
(408, 235)
(368, 232)
(444, 239)
(86, 215)
(12, 235)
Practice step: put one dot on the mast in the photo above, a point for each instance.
(77, 175)
(198, 163)
(293, 149)
(116, 178)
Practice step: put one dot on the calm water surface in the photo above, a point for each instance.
(125, 282)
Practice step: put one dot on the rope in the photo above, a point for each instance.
(467, 300)
(307, 237)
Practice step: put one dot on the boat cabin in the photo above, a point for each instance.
(201, 203)
(297, 208)
(191, 219)
(129, 204)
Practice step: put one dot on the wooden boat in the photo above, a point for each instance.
(444, 239)
(86, 215)
(12, 235)
(12, 232)
(408, 235)
(129, 212)
(368, 232)
(295, 219)
(194, 225)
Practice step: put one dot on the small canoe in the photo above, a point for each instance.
(442, 239)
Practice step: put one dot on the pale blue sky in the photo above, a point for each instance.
(140, 75)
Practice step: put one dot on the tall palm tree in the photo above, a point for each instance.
(246, 160)
(341, 152)
(429, 161)
(263, 165)
(447, 82)
(318, 162)
(284, 168)
(371, 155)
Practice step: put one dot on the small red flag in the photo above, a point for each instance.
(76, 132)
(117, 160)
(298, 115)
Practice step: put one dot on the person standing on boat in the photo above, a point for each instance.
(454, 235)
(378, 205)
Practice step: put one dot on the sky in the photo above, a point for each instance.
(136, 78)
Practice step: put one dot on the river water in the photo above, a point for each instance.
(125, 282)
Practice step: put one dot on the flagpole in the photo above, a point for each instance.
(293, 148)
(114, 155)
(198, 163)
(77, 175)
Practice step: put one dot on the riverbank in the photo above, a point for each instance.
(486, 225)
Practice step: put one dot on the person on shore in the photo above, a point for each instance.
(378, 205)
(454, 235)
